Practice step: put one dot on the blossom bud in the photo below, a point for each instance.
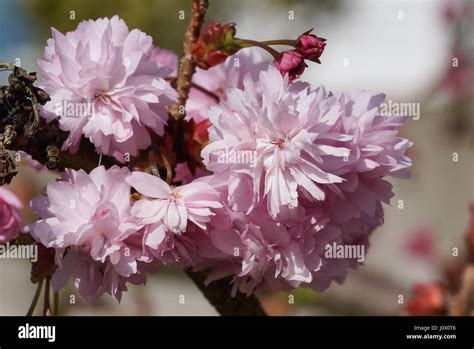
(215, 44)
(310, 46)
(291, 63)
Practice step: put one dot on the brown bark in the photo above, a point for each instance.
(187, 66)
(50, 134)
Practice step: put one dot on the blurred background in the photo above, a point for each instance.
(417, 51)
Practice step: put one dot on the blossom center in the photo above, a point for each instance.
(103, 96)
(176, 196)
(279, 142)
(101, 214)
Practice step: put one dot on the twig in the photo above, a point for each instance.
(31, 128)
(34, 302)
(187, 66)
(205, 91)
(46, 305)
(6, 66)
(48, 134)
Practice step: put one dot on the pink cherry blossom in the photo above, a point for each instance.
(261, 253)
(290, 169)
(288, 131)
(174, 206)
(87, 219)
(376, 148)
(10, 219)
(105, 86)
(258, 252)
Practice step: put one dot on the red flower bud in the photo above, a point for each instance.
(291, 63)
(310, 46)
(216, 57)
(215, 44)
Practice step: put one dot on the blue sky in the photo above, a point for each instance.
(13, 30)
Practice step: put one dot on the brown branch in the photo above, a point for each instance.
(22, 128)
(86, 158)
(187, 66)
(218, 293)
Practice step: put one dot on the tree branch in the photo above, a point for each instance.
(218, 293)
(187, 66)
(49, 134)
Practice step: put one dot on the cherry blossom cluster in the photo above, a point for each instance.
(288, 169)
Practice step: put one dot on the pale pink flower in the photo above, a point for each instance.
(376, 151)
(261, 253)
(105, 86)
(376, 148)
(315, 177)
(10, 219)
(289, 133)
(87, 219)
(174, 206)
(174, 249)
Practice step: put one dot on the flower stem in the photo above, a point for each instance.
(56, 304)
(46, 305)
(262, 45)
(280, 42)
(205, 91)
(167, 166)
(34, 302)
